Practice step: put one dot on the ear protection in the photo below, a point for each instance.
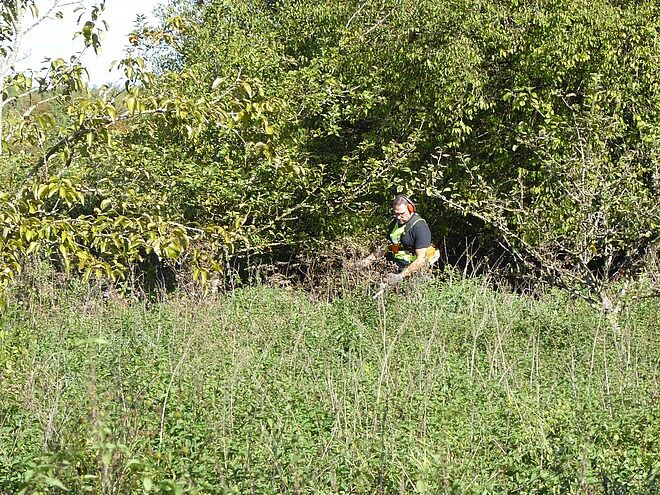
(409, 203)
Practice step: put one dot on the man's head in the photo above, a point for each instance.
(402, 209)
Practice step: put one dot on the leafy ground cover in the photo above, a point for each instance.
(452, 388)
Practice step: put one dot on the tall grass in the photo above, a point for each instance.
(451, 388)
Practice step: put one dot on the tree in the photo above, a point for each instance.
(564, 163)
(540, 121)
(51, 212)
(18, 18)
(256, 126)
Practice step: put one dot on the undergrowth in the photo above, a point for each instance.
(448, 388)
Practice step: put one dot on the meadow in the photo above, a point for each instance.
(449, 388)
(267, 138)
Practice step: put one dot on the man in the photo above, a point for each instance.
(409, 241)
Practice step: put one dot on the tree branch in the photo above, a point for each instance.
(82, 132)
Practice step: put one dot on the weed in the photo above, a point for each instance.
(457, 389)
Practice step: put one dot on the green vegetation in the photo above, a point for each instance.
(249, 132)
(452, 388)
(266, 128)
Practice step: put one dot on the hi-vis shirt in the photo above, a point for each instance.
(412, 235)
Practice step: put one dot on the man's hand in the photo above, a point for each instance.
(394, 278)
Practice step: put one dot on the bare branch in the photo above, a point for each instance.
(359, 9)
(378, 23)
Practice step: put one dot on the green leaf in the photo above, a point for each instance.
(54, 482)
(42, 191)
(247, 88)
(32, 247)
(112, 112)
(131, 104)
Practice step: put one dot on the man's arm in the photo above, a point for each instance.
(418, 264)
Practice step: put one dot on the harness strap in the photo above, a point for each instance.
(402, 254)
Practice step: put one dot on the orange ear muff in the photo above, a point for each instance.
(411, 205)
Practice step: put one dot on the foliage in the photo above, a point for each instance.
(565, 168)
(26, 97)
(539, 120)
(104, 244)
(61, 132)
(449, 389)
(276, 126)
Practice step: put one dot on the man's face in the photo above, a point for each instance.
(401, 213)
